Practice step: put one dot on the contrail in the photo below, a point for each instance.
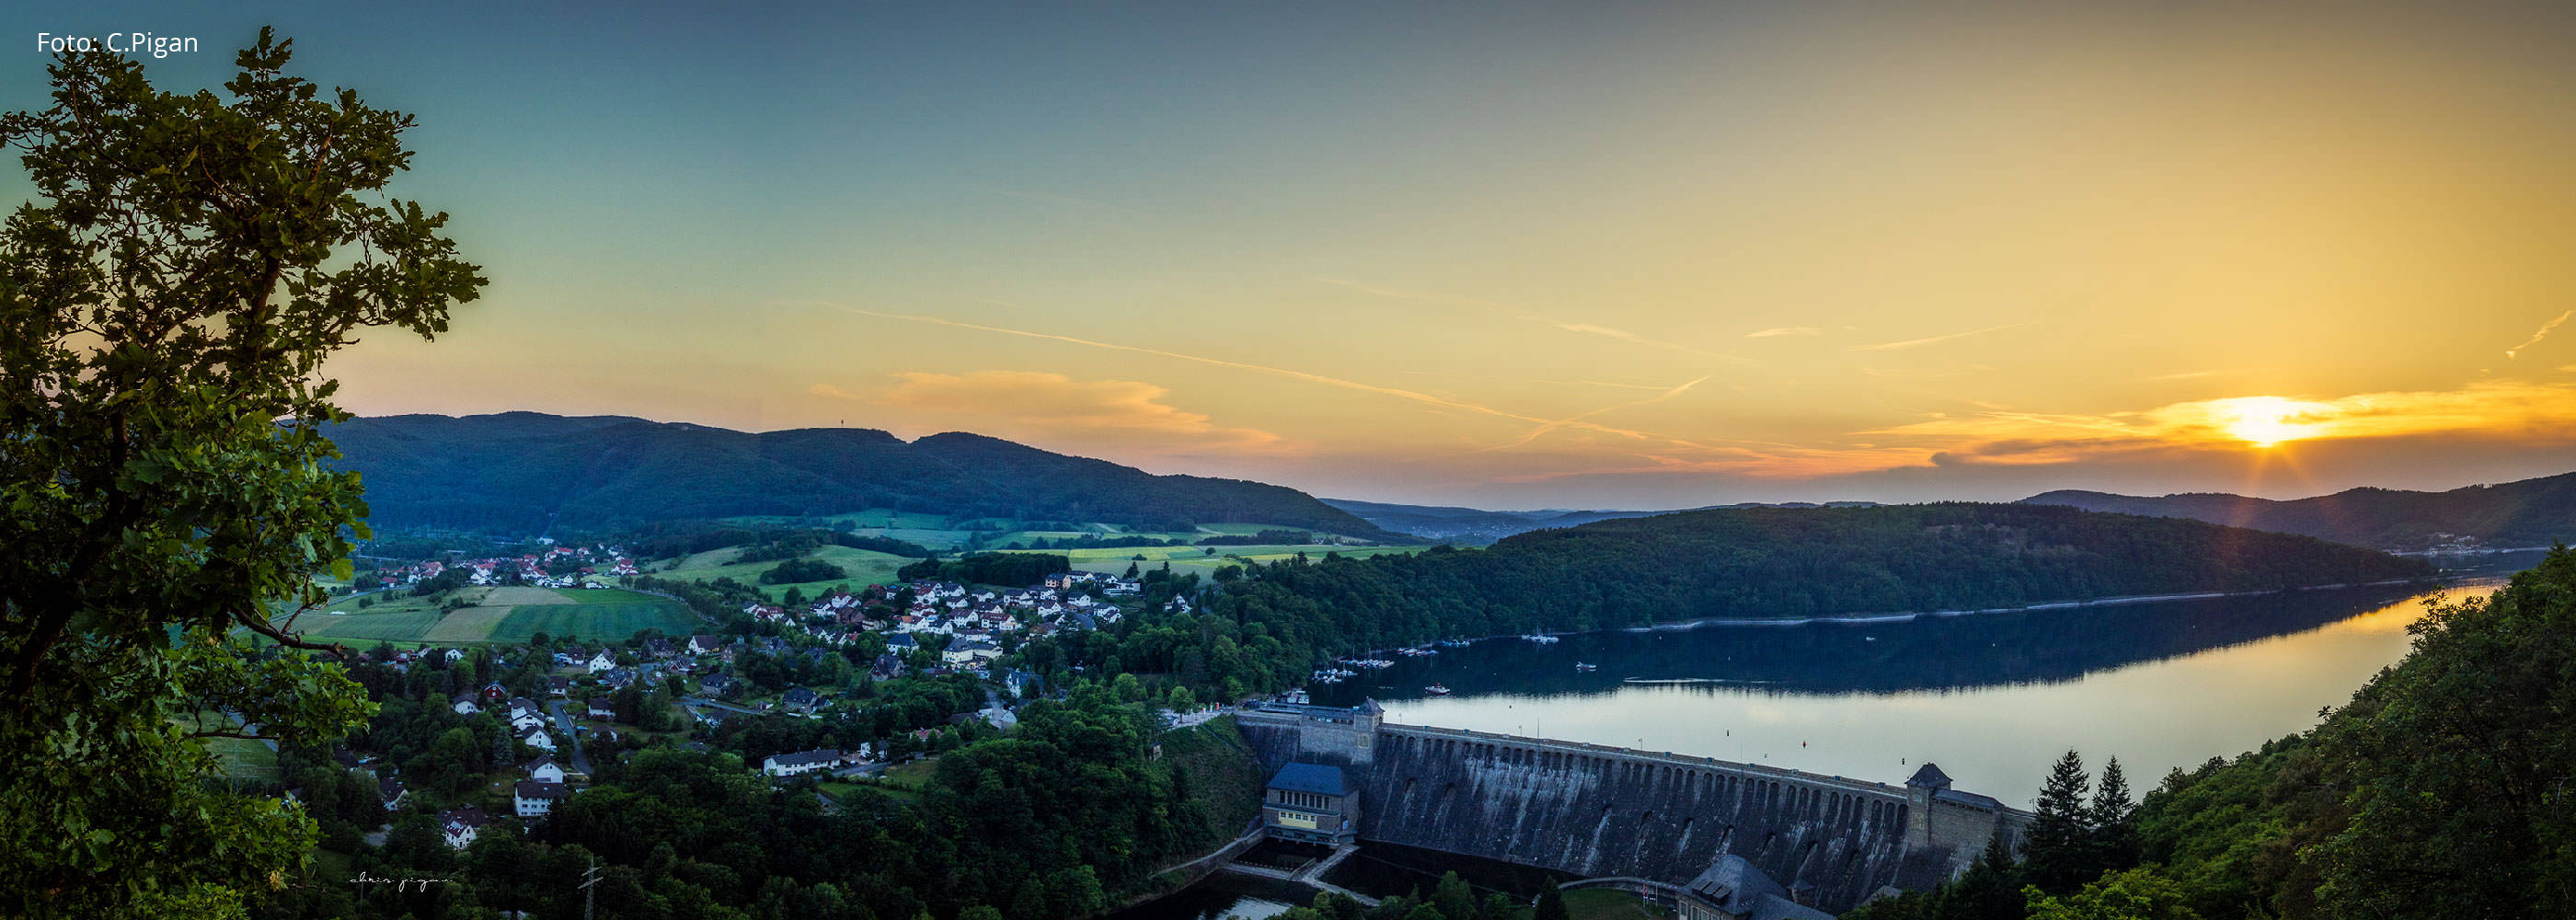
(1532, 317)
(1411, 395)
(1576, 419)
(1910, 343)
(2541, 334)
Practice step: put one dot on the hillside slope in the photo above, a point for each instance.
(2531, 512)
(1788, 563)
(523, 471)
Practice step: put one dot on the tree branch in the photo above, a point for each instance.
(287, 639)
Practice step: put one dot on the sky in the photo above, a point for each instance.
(1501, 255)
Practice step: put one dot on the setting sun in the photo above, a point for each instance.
(2265, 420)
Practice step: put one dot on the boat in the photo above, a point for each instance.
(1452, 643)
(1540, 639)
(1580, 666)
(1436, 690)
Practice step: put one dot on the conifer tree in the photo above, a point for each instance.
(1989, 890)
(2114, 819)
(2060, 851)
(1551, 905)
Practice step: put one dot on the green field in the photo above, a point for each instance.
(941, 533)
(865, 567)
(1196, 559)
(500, 614)
(1604, 904)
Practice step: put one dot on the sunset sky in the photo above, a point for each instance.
(1596, 255)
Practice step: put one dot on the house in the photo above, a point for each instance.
(599, 709)
(1311, 802)
(544, 769)
(802, 698)
(800, 763)
(605, 660)
(460, 826)
(493, 692)
(1734, 889)
(390, 791)
(970, 650)
(660, 648)
(900, 643)
(537, 738)
(466, 708)
(702, 645)
(715, 685)
(537, 798)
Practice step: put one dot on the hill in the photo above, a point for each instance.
(1475, 527)
(524, 471)
(1788, 563)
(2531, 512)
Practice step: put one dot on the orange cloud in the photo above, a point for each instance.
(2519, 409)
(1053, 408)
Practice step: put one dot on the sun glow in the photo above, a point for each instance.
(2265, 420)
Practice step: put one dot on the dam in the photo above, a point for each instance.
(1593, 811)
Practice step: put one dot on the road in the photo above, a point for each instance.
(580, 763)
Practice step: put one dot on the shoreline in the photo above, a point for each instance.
(1911, 615)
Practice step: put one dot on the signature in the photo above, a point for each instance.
(400, 884)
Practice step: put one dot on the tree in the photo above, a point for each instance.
(2137, 894)
(1551, 905)
(1991, 889)
(165, 310)
(2060, 852)
(2114, 818)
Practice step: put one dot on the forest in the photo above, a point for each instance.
(523, 472)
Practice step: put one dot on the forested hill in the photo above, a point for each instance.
(1787, 563)
(521, 471)
(2531, 512)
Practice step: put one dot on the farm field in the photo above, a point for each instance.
(1195, 558)
(942, 533)
(498, 614)
(865, 567)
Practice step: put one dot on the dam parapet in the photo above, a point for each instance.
(1596, 811)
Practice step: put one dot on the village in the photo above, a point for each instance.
(839, 640)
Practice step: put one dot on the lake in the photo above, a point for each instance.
(1993, 698)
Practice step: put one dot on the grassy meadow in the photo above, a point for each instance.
(508, 614)
(865, 567)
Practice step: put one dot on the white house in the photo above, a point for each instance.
(801, 762)
(466, 708)
(537, 798)
(970, 650)
(603, 661)
(537, 738)
(461, 825)
(544, 770)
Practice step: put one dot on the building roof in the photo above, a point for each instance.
(1969, 799)
(1930, 775)
(1739, 888)
(1312, 777)
(539, 789)
(801, 758)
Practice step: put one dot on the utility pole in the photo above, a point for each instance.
(589, 895)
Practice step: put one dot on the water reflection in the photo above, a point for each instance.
(1993, 698)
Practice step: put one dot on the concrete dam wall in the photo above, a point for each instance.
(1593, 811)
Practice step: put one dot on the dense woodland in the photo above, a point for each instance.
(2531, 512)
(2440, 791)
(1773, 563)
(1063, 817)
(523, 472)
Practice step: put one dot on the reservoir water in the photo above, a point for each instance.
(1993, 698)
